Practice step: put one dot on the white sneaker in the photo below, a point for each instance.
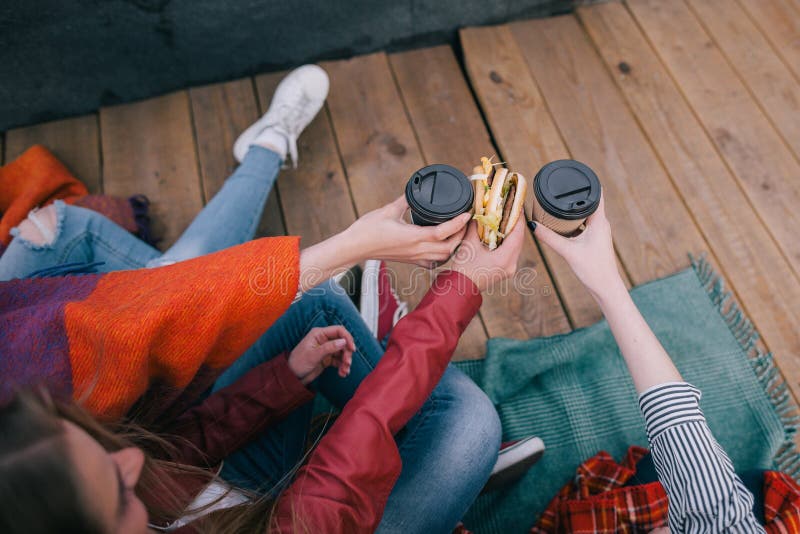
(513, 461)
(379, 304)
(296, 101)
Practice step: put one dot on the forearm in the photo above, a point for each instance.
(232, 416)
(324, 259)
(647, 361)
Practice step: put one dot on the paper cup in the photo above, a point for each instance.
(566, 192)
(438, 193)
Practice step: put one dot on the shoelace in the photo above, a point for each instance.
(289, 118)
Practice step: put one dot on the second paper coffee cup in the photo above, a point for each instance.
(438, 193)
(566, 192)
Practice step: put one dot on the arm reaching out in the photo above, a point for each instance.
(591, 257)
(705, 494)
(381, 234)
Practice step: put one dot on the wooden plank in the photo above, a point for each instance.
(379, 152)
(376, 140)
(653, 230)
(756, 62)
(220, 113)
(315, 197)
(764, 166)
(525, 134)
(518, 117)
(779, 20)
(74, 141)
(148, 148)
(450, 130)
(750, 260)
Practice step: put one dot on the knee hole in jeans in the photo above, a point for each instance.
(40, 228)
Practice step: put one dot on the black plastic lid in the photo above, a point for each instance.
(437, 193)
(567, 189)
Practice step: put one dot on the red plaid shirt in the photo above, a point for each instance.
(597, 500)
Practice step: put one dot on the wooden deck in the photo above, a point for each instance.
(688, 111)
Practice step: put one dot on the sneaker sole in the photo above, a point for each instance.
(515, 462)
(369, 304)
(350, 281)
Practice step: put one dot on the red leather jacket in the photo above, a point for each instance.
(345, 483)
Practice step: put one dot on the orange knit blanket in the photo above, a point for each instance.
(37, 178)
(147, 342)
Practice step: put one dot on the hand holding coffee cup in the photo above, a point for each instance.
(385, 234)
(566, 192)
(437, 193)
(590, 254)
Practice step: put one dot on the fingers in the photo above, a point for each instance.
(451, 227)
(426, 264)
(557, 242)
(599, 214)
(446, 248)
(472, 233)
(334, 345)
(515, 238)
(430, 254)
(469, 246)
(343, 361)
(463, 232)
(330, 347)
(397, 207)
(332, 332)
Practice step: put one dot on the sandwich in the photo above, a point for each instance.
(499, 196)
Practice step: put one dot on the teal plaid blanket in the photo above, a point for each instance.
(575, 393)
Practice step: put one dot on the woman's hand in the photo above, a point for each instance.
(590, 254)
(381, 234)
(386, 236)
(483, 266)
(321, 348)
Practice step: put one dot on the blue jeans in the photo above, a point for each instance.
(85, 236)
(448, 448)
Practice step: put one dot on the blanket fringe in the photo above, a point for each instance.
(787, 459)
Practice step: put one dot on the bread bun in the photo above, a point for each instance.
(482, 176)
(498, 209)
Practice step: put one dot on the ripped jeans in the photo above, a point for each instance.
(80, 235)
(448, 448)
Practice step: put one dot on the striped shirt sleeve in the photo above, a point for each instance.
(705, 494)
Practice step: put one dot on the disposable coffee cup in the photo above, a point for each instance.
(438, 193)
(566, 192)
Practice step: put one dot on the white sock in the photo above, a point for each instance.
(277, 142)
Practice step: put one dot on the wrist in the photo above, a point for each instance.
(464, 273)
(290, 362)
(353, 246)
(458, 280)
(304, 378)
(323, 260)
(610, 294)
